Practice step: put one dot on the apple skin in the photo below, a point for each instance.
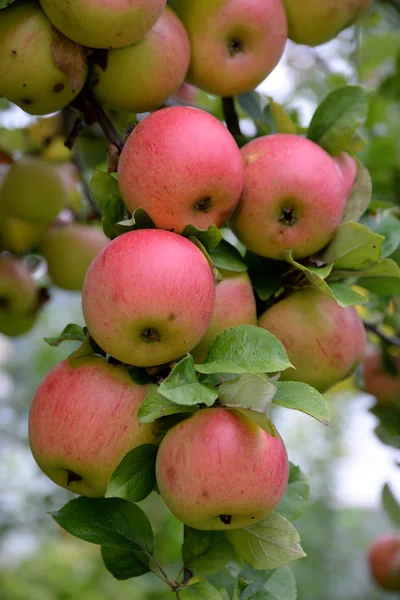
(234, 305)
(384, 561)
(293, 197)
(33, 190)
(348, 168)
(19, 235)
(69, 250)
(183, 167)
(378, 381)
(104, 23)
(313, 22)
(219, 462)
(235, 44)
(324, 342)
(82, 422)
(29, 76)
(157, 66)
(148, 297)
(18, 297)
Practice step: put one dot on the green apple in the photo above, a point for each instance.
(18, 297)
(29, 76)
(219, 470)
(324, 341)
(82, 422)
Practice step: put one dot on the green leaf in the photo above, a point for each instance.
(354, 247)
(225, 256)
(109, 522)
(250, 103)
(71, 332)
(386, 268)
(182, 386)
(269, 544)
(245, 349)
(384, 287)
(114, 212)
(283, 122)
(302, 397)
(4, 3)
(280, 585)
(206, 552)
(388, 226)
(124, 564)
(199, 589)
(338, 117)
(315, 275)
(266, 275)
(345, 296)
(103, 185)
(360, 195)
(250, 391)
(210, 238)
(224, 594)
(135, 477)
(155, 406)
(139, 220)
(297, 495)
(391, 506)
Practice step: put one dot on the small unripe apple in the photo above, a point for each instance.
(82, 422)
(219, 470)
(29, 76)
(148, 297)
(384, 561)
(69, 250)
(101, 23)
(18, 297)
(18, 235)
(235, 44)
(183, 167)
(378, 381)
(293, 197)
(33, 190)
(140, 77)
(324, 342)
(315, 22)
(234, 305)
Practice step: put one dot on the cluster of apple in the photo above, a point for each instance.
(225, 48)
(33, 222)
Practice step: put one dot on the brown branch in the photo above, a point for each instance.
(104, 121)
(187, 573)
(389, 339)
(230, 115)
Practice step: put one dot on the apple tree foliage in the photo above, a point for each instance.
(359, 267)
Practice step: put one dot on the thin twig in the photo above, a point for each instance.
(389, 339)
(105, 122)
(230, 115)
(187, 573)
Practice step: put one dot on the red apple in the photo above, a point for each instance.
(348, 168)
(148, 297)
(183, 167)
(157, 66)
(219, 470)
(234, 305)
(378, 381)
(82, 422)
(384, 561)
(235, 44)
(324, 341)
(293, 197)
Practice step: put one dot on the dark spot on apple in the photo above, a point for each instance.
(4, 302)
(205, 494)
(72, 477)
(203, 205)
(288, 216)
(171, 317)
(235, 45)
(58, 88)
(225, 519)
(150, 335)
(24, 85)
(13, 53)
(27, 101)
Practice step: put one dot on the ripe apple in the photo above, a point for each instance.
(378, 381)
(324, 341)
(348, 168)
(33, 190)
(18, 297)
(183, 167)
(219, 470)
(384, 561)
(101, 23)
(293, 197)
(69, 250)
(235, 44)
(157, 66)
(234, 305)
(82, 422)
(29, 76)
(148, 297)
(315, 22)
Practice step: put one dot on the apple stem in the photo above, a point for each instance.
(389, 339)
(230, 115)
